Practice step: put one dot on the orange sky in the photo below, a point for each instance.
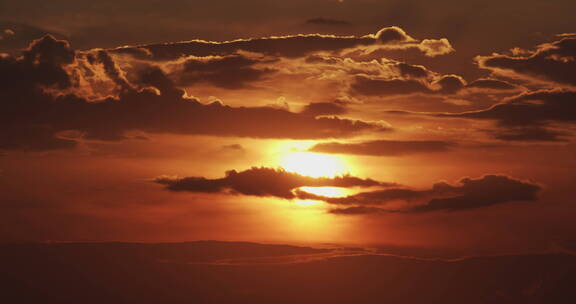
(329, 126)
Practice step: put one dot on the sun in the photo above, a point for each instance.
(313, 164)
(326, 191)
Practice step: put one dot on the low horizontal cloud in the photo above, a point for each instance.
(325, 108)
(261, 182)
(529, 116)
(230, 72)
(377, 86)
(290, 46)
(402, 44)
(529, 134)
(468, 194)
(383, 147)
(492, 84)
(286, 46)
(531, 109)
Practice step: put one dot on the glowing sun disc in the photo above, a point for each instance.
(313, 164)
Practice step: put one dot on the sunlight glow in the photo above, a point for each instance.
(307, 203)
(313, 164)
(326, 191)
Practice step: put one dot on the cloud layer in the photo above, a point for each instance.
(530, 116)
(551, 62)
(261, 182)
(51, 87)
(468, 193)
(383, 147)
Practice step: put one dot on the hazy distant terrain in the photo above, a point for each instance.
(222, 272)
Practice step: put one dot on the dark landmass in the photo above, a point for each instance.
(223, 272)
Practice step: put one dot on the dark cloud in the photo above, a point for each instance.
(41, 64)
(414, 71)
(380, 87)
(230, 72)
(528, 134)
(39, 93)
(528, 115)
(416, 82)
(325, 108)
(290, 46)
(191, 117)
(377, 197)
(16, 36)
(327, 21)
(383, 77)
(483, 192)
(531, 109)
(450, 84)
(492, 84)
(469, 193)
(147, 111)
(286, 46)
(404, 79)
(153, 76)
(383, 147)
(261, 182)
(110, 68)
(552, 62)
